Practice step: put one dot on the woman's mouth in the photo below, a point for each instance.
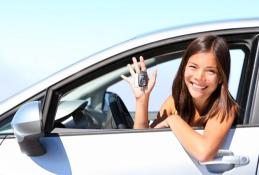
(198, 87)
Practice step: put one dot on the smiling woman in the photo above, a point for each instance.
(201, 77)
(200, 97)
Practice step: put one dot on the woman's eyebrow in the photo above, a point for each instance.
(212, 67)
(208, 67)
(192, 63)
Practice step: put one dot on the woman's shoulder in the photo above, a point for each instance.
(170, 100)
(166, 110)
(168, 105)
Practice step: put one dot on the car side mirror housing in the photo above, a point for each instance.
(27, 127)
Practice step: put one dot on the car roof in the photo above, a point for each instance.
(137, 41)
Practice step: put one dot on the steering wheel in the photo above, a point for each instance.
(66, 109)
(120, 113)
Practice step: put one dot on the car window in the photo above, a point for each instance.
(5, 125)
(165, 74)
(6, 128)
(88, 107)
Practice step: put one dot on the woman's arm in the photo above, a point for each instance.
(202, 146)
(141, 95)
(141, 114)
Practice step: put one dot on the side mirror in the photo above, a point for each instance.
(27, 127)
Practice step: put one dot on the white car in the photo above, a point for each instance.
(79, 120)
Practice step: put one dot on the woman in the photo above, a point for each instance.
(200, 97)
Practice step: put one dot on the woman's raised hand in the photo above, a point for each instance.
(134, 70)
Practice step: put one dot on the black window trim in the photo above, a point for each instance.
(252, 111)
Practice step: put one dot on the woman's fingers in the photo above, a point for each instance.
(159, 125)
(125, 78)
(142, 64)
(132, 73)
(134, 70)
(136, 66)
(152, 80)
(163, 124)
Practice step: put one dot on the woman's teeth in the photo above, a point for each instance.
(198, 86)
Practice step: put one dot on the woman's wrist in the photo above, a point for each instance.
(142, 99)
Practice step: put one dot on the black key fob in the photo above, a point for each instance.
(142, 79)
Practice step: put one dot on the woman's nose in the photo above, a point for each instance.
(199, 75)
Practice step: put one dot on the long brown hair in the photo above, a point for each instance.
(221, 102)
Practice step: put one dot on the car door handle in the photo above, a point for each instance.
(225, 160)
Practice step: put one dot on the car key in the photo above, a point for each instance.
(142, 80)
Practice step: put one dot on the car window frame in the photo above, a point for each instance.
(251, 117)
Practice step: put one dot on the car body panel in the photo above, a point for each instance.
(123, 153)
(17, 163)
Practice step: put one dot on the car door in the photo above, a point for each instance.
(142, 152)
(76, 142)
(152, 151)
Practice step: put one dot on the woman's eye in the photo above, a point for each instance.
(211, 72)
(192, 67)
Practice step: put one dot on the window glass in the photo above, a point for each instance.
(237, 61)
(6, 128)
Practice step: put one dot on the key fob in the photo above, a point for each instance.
(142, 79)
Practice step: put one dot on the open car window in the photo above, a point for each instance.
(88, 105)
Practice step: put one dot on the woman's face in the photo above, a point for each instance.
(201, 76)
